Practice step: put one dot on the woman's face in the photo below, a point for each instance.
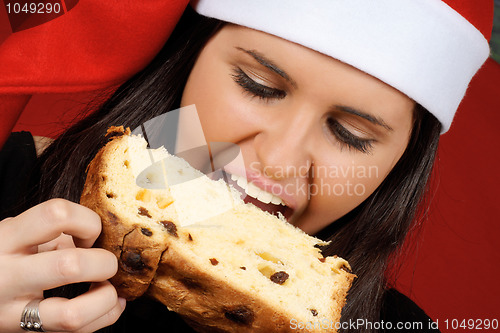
(313, 131)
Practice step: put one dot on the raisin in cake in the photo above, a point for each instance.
(195, 246)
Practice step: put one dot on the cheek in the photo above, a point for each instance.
(340, 186)
(222, 107)
(346, 185)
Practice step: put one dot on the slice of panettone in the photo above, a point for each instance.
(196, 247)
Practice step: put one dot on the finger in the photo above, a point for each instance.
(108, 319)
(62, 242)
(99, 306)
(10, 313)
(48, 270)
(46, 221)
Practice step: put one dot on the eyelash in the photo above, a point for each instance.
(256, 89)
(263, 92)
(348, 139)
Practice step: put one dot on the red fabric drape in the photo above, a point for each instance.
(94, 44)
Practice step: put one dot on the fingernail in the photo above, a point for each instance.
(123, 302)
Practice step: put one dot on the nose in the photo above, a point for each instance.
(284, 147)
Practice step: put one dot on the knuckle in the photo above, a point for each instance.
(111, 293)
(107, 293)
(69, 265)
(94, 224)
(112, 262)
(5, 220)
(71, 319)
(56, 211)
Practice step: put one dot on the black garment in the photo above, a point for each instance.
(397, 309)
(19, 175)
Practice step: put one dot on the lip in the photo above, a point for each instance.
(267, 185)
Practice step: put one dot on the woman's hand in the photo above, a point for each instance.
(48, 246)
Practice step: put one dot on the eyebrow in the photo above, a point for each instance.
(364, 115)
(268, 64)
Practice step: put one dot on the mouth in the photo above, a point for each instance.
(262, 199)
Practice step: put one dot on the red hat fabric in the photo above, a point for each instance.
(478, 12)
(94, 44)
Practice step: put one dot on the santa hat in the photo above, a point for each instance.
(427, 49)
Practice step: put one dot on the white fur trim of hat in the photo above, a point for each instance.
(424, 48)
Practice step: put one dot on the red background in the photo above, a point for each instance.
(454, 272)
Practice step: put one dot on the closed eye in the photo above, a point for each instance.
(346, 138)
(254, 88)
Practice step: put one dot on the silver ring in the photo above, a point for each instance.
(30, 319)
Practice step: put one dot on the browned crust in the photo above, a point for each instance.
(117, 131)
(138, 255)
(204, 300)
